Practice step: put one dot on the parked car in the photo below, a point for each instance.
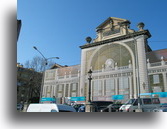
(77, 106)
(81, 109)
(146, 104)
(99, 105)
(41, 107)
(65, 108)
(50, 107)
(161, 109)
(20, 107)
(112, 108)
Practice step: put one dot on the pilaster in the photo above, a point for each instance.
(69, 90)
(130, 87)
(141, 64)
(165, 81)
(82, 76)
(116, 86)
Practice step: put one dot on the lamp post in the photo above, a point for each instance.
(46, 63)
(46, 59)
(90, 79)
(89, 106)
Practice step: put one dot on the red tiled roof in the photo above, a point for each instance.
(155, 56)
(73, 69)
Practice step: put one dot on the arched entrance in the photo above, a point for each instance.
(99, 57)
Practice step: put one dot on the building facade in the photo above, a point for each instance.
(122, 63)
(62, 82)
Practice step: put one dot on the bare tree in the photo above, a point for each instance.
(34, 78)
(38, 64)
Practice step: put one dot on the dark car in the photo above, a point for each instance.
(81, 109)
(77, 106)
(65, 108)
(112, 108)
(99, 105)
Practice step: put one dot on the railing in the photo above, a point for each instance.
(97, 71)
(158, 64)
(123, 67)
(68, 76)
(74, 75)
(111, 69)
(155, 64)
(61, 77)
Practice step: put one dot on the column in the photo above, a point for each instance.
(69, 90)
(103, 85)
(141, 63)
(78, 92)
(55, 90)
(51, 91)
(64, 90)
(56, 74)
(116, 86)
(130, 87)
(82, 76)
(165, 81)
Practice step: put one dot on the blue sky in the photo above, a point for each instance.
(59, 27)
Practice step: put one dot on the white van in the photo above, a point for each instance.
(50, 107)
(146, 104)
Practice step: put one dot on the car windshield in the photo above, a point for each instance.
(131, 101)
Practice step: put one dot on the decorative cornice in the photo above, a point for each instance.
(132, 35)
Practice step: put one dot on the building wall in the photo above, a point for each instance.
(120, 65)
(157, 76)
(62, 82)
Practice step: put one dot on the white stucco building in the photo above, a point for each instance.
(122, 63)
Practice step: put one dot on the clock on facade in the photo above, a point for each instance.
(109, 63)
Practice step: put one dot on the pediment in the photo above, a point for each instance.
(111, 20)
(112, 27)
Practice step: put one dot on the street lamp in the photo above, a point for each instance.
(89, 106)
(46, 63)
(46, 59)
(89, 78)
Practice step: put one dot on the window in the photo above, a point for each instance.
(136, 102)
(155, 101)
(157, 89)
(97, 88)
(156, 79)
(147, 101)
(123, 85)
(74, 87)
(110, 87)
(73, 94)
(131, 101)
(60, 87)
(60, 95)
